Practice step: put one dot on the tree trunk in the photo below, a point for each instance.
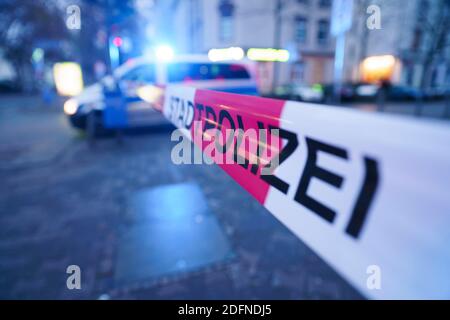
(426, 76)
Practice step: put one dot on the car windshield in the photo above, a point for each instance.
(143, 73)
(179, 72)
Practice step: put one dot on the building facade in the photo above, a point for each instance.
(303, 27)
(409, 29)
(300, 26)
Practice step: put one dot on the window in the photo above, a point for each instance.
(301, 28)
(180, 72)
(226, 20)
(323, 31)
(144, 73)
(324, 3)
(226, 28)
(298, 72)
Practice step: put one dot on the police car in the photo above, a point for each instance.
(123, 86)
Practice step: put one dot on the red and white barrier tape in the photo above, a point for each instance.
(360, 189)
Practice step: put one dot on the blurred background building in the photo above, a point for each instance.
(414, 32)
(302, 27)
(106, 208)
(411, 47)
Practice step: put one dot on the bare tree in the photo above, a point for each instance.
(22, 23)
(435, 26)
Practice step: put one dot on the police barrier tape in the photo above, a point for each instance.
(360, 189)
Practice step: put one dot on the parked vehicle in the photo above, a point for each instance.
(401, 93)
(437, 93)
(370, 91)
(300, 92)
(8, 86)
(366, 91)
(347, 92)
(195, 71)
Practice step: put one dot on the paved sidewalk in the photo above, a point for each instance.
(72, 208)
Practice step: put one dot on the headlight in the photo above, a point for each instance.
(70, 107)
(68, 78)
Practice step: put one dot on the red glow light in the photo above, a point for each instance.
(117, 41)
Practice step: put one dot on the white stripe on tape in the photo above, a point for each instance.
(360, 189)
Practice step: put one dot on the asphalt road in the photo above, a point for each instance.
(63, 203)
